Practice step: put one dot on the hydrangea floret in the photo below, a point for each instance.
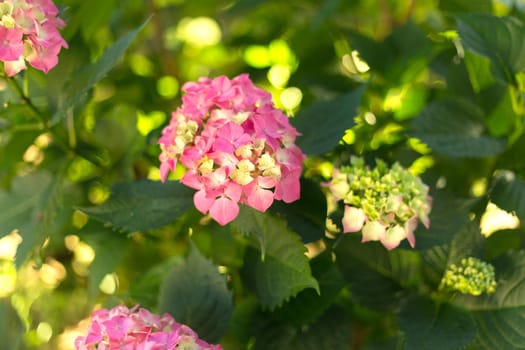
(384, 203)
(235, 145)
(472, 276)
(29, 33)
(138, 329)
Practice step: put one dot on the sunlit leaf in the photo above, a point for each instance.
(455, 128)
(194, 293)
(508, 193)
(499, 39)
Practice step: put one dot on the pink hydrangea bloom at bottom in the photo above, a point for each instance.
(138, 329)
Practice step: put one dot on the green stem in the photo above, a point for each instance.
(14, 85)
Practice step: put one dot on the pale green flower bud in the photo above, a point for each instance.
(472, 276)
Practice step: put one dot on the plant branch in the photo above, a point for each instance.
(14, 85)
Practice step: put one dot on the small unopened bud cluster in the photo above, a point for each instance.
(384, 203)
(472, 276)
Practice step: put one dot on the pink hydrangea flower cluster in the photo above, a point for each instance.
(138, 329)
(236, 146)
(29, 32)
(383, 203)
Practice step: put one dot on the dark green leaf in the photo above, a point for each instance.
(330, 284)
(307, 215)
(500, 329)
(447, 217)
(508, 193)
(11, 328)
(455, 128)
(499, 39)
(280, 269)
(87, 77)
(324, 123)
(377, 276)
(110, 249)
(332, 331)
(145, 290)
(512, 158)
(143, 205)
(194, 293)
(435, 326)
(22, 208)
(467, 242)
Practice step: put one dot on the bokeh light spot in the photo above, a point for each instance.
(278, 75)
(257, 56)
(199, 31)
(141, 65)
(168, 86)
(291, 98)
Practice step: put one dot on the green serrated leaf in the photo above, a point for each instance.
(500, 329)
(435, 326)
(194, 293)
(307, 215)
(499, 39)
(331, 282)
(143, 205)
(87, 77)
(377, 276)
(508, 193)
(455, 128)
(324, 123)
(447, 217)
(280, 269)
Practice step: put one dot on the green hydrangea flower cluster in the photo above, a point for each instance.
(385, 203)
(472, 276)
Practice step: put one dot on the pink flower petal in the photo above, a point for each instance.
(202, 201)
(224, 210)
(353, 219)
(393, 236)
(258, 197)
(373, 231)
